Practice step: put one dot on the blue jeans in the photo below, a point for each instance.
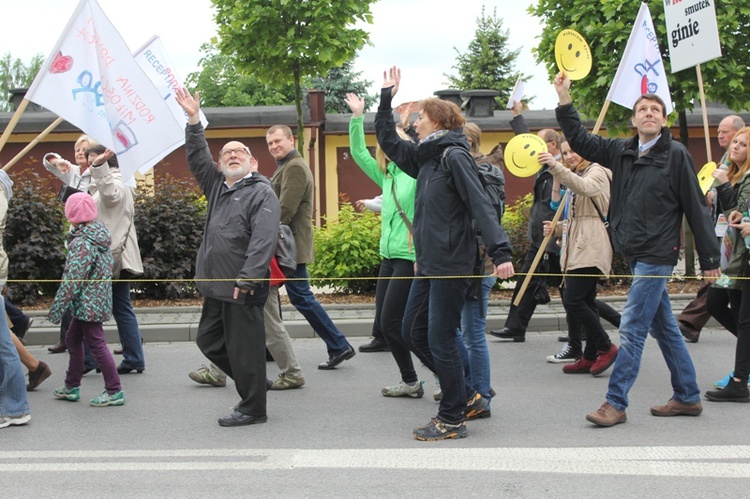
(304, 301)
(127, 329)
(648, 310)
(13, 400)
(472, 344)
(431, 319)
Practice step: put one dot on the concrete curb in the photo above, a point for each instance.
(173, 324)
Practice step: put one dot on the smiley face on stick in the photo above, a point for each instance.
(572, 54)
(522, 154)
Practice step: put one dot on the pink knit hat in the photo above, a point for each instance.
(80, 208)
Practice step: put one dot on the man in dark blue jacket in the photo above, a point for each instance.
(653, 185)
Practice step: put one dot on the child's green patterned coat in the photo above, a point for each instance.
(87, 279)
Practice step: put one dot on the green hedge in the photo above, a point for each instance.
(34, 237)
(170, 224)
(348, 246)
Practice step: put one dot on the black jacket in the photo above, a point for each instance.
(649, 194)
(242, 227)
(540, 204)
(446, 202)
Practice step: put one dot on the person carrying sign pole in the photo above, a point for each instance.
(653, 185)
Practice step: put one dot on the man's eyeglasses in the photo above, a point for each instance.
(240, 151)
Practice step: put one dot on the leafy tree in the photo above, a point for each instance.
(14, 73)
(488, 63)
(340, 81)
(284, 41)
(606, 27)
(222, 85)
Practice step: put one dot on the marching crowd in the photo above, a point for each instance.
(439, 218)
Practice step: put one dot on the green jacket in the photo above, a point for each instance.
(293, 184)
(395, 238)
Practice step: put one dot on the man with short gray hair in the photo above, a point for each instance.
(232, 266)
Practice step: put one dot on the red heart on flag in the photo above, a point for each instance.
(644, 85)
(61, 63)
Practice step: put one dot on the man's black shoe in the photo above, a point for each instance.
(690, 334)
(239, 419)
(335, 360)
(376, 345)
(508, 334)
(563, 339)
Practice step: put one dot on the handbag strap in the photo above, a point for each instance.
(400, 210)
(599, 212)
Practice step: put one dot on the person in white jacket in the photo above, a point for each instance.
(116, 204)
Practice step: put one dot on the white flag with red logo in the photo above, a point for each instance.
(92, 81)
(641, 69)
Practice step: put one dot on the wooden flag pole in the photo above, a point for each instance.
(540, 253)
(34, 142)
(705, 113)
(13, 122)
(556, 219)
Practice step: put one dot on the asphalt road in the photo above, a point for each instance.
(338, 437)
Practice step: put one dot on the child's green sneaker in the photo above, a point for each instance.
(65, 393)
(106, 399)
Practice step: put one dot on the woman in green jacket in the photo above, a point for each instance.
(396, 248)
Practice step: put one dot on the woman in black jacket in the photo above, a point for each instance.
(449, 196)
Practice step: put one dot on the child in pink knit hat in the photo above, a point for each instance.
(86, 290)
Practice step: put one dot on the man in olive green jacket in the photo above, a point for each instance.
(293, 183)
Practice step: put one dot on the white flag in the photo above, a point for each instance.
(91, 80)
(154, 61)
(517, 94)
(641, 69)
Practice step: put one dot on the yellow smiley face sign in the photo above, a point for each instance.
(572, 54)
(522, 154)
(705, 179)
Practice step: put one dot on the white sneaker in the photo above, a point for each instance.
(438, 393)
(14, 420)
(413, 390)
(565, 356)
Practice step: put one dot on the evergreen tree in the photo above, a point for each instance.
(488, 63)
(339, 82)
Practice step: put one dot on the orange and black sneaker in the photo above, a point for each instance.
(436, 429)
(477, 407)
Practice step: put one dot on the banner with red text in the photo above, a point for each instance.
(92, 81)
(641, 70)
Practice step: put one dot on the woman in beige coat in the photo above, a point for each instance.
(115, 202)
(586, 253)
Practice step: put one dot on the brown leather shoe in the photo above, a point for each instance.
(675, 408)
(607, 416)
(59, 348)
(38, 375)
